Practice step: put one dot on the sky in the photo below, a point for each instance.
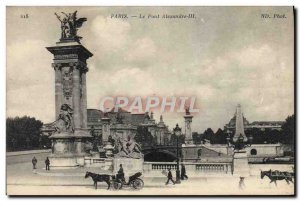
(224, 57)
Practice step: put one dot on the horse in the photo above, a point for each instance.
(99, 178)
(277, 175)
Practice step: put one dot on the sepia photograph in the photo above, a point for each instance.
(150, 101)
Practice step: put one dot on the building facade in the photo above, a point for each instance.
(123, 123)
(261, 125)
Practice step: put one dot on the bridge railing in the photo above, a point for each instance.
(94, 162)
(196, 168)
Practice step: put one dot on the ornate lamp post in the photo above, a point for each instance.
(177, 132)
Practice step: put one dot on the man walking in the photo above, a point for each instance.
(183, 173)
(34, 162)
(47, 162)
(241, 183)
(170, 177)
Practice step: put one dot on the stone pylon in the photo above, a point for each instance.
(161, 130)
(70, 138)
(239, 125)
(188, 127)
(240, 158)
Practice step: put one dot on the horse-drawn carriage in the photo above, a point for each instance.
(278, 175)
(134, 182)
(115, 182)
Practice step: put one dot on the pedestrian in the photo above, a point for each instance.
(170, 177)
(241, 183)
(34, 162)
(47, 162)
(183, 173)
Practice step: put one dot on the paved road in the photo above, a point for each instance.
(22, 180)
(23, 157)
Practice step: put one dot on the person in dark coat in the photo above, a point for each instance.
(170, 177)
(34, 162)
(120, 174)
(183, 173)
(47, 162)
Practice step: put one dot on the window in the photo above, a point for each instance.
(253, 152)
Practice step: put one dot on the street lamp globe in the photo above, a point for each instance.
(177, 130)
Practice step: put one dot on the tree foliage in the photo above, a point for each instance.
(23, 133)
(219, 137)
(144, 137)
(208, 134)
(288, 129)
(267, 136)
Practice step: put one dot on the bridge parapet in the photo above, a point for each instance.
(193, 169)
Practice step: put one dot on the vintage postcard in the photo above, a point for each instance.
(150, 101)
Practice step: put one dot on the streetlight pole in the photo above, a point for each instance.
(177, 170)
(177, 132)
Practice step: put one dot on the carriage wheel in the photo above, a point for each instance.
(138, 184)
(117, 185)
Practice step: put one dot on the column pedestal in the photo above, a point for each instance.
(188, 129)
(240, 164)
(68, 150)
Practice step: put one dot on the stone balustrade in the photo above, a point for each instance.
(156, 168)
(193, 168)
(164, 166)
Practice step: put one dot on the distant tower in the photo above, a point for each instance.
(152, 120)
(188, 126)
(239, 125)
(105, 128)
(161, 130)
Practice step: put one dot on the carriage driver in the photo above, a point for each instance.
(120, 174)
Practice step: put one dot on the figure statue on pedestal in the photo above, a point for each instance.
(128, 148)
(70, 25)
(64, 122)
(187, 111)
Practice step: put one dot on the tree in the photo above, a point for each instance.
(257, 134)
(208, 134)
(181, 139)
(196, 138)
(143, 136)
(288, 130)
(173, 140)
(45, 142)
(219, 137)
(23, 133)
(200, 138)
